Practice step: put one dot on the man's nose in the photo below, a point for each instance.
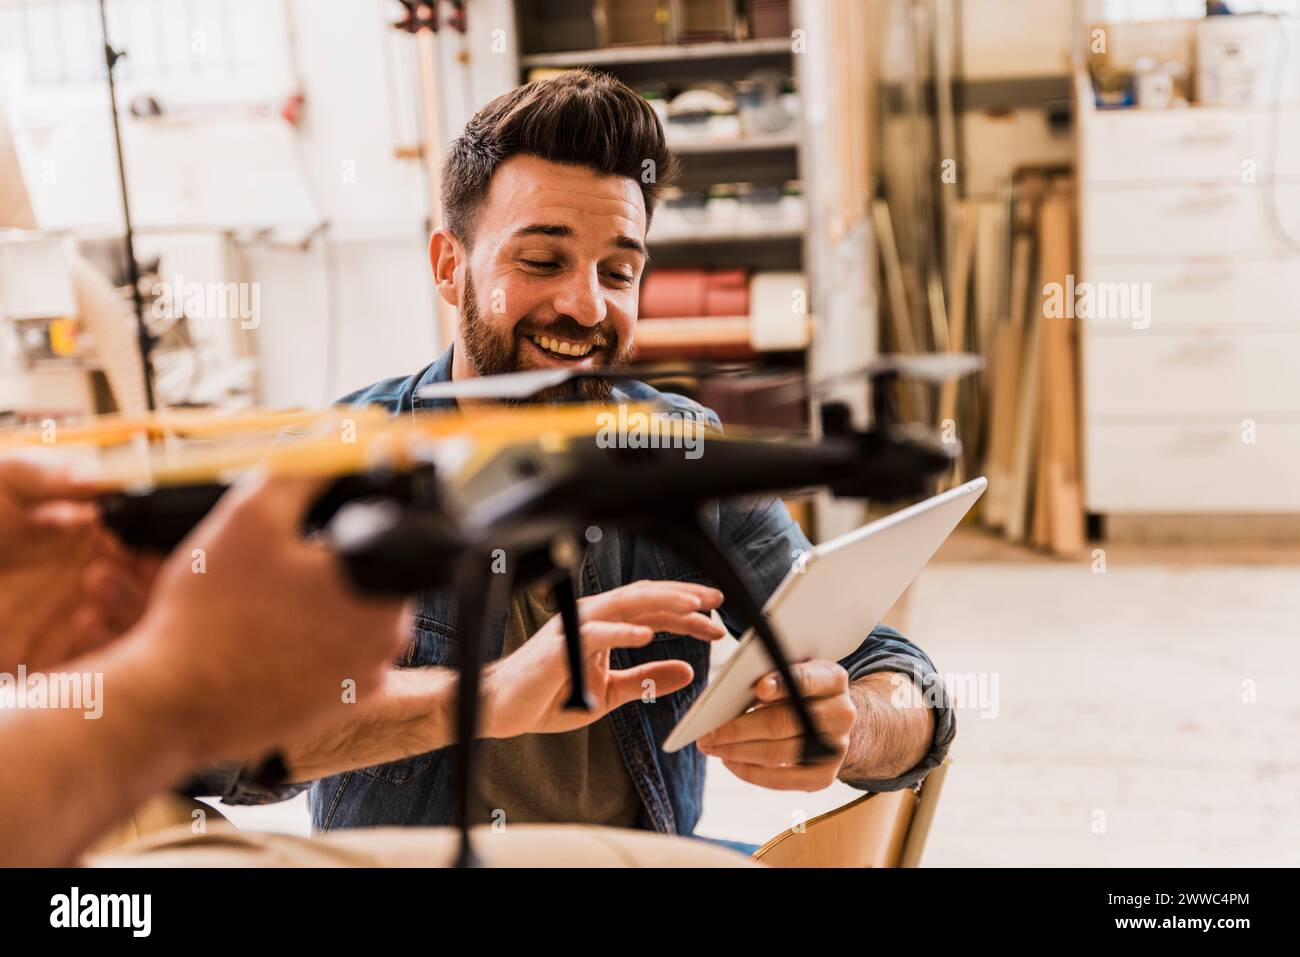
(582, 298)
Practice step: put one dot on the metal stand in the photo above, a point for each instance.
(144, 340)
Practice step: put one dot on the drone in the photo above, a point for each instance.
(424, 502)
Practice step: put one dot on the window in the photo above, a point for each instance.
(208, 52)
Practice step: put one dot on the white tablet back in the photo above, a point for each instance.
(830, 601)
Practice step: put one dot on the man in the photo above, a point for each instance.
(546, 199)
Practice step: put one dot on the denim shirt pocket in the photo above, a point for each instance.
(433, 644)
(668, 567)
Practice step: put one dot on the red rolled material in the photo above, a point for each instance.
(727, 293)
(690, 293)
(673, 293)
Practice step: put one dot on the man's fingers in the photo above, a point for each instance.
(809, 778)
(629, 601)
(647, 682)
(707, 594)
(765, 724)
(639, 631)
(88, 631)
(30, 483)
(121, 598)
(63, 515)
(832, 716)
(814, 679)
(769, 754)
(147, 566)
(604, 635)
(693, 624)
(628, 605)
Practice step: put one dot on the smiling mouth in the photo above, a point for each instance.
(561, 348)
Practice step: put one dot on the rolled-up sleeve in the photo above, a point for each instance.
(887, 650)
(766, 541)
(231, 782)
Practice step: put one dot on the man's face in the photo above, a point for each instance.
(554, 271)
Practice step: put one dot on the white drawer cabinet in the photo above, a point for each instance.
(1160, 146)
(1275, 144)
(1186, 468)
(1200, 219)
(1143, 373)
(1199, 412)
(1197, 145)
(1217, 293)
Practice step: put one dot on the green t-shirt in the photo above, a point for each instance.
(572, 777)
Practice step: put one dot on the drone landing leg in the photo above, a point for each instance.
(689, 538)
(556, 565)
(566, 597)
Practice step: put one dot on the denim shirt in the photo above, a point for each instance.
(760, 537)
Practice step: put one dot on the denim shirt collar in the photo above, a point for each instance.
(438, 371)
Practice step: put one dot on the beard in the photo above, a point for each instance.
(493, 352)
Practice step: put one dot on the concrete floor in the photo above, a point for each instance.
(1148, 715)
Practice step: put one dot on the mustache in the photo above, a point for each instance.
(571, 330)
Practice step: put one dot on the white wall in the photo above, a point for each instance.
(362, 102)
(1010, 38)
(237, 165)
(323, 335)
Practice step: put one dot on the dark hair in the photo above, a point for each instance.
(579, 117)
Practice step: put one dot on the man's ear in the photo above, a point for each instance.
(446, 256)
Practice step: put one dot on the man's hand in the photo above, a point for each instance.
(526, 692)
(233, 656)
(115, 590)
(259, 641)
(52, 550)
(763, 745)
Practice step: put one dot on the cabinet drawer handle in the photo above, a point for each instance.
(1204, 201)
(1203, 138)
(1206, 278)
(1203, 351)
(1201, 443)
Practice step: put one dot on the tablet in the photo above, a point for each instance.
(829, 602)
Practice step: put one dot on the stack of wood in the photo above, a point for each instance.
(1032, 456)
(1007, 265)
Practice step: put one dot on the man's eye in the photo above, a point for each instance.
(621, 277)
(538, 263)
